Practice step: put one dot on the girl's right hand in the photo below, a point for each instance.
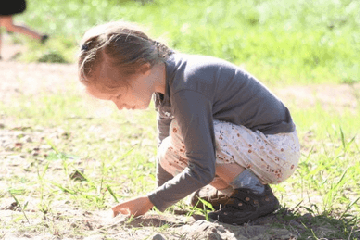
(134, 207)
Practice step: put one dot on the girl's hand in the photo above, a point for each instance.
(134, 207)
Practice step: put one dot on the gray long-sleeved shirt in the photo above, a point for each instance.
(198, 90)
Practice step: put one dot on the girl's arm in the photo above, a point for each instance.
(140, 205)
(193, 112)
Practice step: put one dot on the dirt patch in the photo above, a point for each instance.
(35, 78)
(96, 225)
(340, 97)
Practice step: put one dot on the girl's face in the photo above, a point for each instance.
(135, 96)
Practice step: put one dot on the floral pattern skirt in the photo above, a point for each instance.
(272, 157)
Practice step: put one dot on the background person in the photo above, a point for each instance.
(10, 8)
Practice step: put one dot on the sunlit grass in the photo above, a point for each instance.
(116, 155)
(279, 41)
(327, 176)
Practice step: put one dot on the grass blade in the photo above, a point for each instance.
(112, 193)
(348, 207)
(18, 203)
(342, 138)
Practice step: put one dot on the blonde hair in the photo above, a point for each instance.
(123, 46)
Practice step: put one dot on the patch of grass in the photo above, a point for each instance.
(315, 226)
(46, 107)
(327, 180)
(116, 157)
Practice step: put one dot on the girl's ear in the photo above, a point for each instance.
(145, 69)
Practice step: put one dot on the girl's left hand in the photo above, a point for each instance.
(134, 207)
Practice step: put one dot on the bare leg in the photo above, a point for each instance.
(7, 22)
(219, 184)
(221, 189)
(226, 173)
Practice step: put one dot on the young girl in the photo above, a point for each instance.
(217, 124)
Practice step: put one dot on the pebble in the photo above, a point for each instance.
(26, 138)
(94, 237)
(34, 153)
(46, 147)
(77, 175)
(158, 236)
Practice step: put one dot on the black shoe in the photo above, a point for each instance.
(44, 38)
(244, 205)
(210, 195)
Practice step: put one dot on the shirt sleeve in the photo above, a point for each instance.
(193, 111)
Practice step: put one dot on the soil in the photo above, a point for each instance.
(21, 79)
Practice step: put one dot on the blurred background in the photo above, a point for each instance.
(279, 41)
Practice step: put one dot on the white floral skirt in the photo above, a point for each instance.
(272, 157)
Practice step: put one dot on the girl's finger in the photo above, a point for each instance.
(123, 211)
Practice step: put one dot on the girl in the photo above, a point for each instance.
(10, 8)
(217, 124)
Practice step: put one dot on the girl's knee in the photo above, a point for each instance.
(163, 150)
(162, 160)
(10, 27)
(7, 23)
(168, 164)
(165, 156)
(168, 158)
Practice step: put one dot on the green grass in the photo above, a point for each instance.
(280, 42)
